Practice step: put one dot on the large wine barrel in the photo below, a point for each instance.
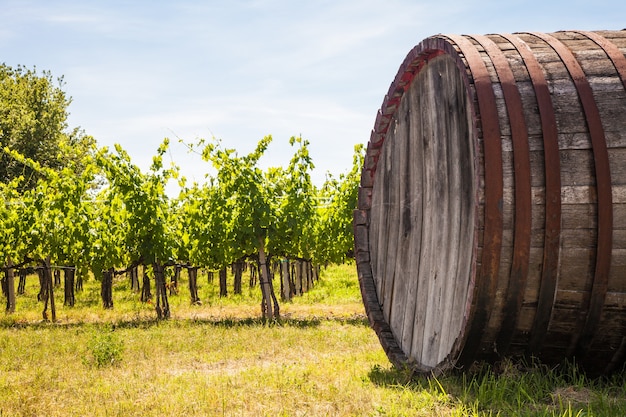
(491, 219)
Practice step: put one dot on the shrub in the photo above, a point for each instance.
(106, 349)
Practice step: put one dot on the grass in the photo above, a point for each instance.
(220, 359)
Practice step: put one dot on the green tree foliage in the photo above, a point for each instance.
(49, 222)
(33, 122)
(61, 222)
(247, 198)
(278, 212)
(293, 205)
(150, 236)
(334, 235)
(203, 221)
(241, 212)
(12, 216)
(242, 185)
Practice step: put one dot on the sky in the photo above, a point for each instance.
(238, 70)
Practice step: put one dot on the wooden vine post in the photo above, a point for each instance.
(10, 287)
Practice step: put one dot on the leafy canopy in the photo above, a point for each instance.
(33, 122)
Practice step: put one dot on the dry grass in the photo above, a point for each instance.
(220, 359)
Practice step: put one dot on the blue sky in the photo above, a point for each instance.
(139, 71)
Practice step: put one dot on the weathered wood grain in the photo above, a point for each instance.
(429, 231)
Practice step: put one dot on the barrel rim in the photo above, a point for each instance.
(414, 62)
(593, 304)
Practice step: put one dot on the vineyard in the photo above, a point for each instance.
(100, 217)
(321, 358)
(84, 226)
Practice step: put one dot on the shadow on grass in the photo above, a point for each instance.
(395, 377)
(516, 388)
(9, 322)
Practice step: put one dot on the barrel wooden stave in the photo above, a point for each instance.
(407, 209)
(408, 312)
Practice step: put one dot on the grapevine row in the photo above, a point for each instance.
(102, 216)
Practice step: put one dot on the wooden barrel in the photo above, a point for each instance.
(491, 219)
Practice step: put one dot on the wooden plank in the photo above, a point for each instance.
(380, 216)
(377, 224)
(429, 215)
(617, 283)
(415, 192)
(392, 208)
(461, 196)
(575, 195)
(440, 88)
(401, 164)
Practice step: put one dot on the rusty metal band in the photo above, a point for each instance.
(603, 189)
(612, 51)
(523, 201)
(619, 62)
(485, 289)
(552, 232)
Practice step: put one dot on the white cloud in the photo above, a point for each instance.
(139, 71)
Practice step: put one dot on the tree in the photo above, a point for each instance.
(50, 222)
(334, 235)
(11, 232)
(151, 239)
(242, 212)
(293, 204)
(245, 195)
(108, 233)
(203, 223)
(33, 122)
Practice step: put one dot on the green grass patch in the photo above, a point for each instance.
(220, 359)
(105, 349)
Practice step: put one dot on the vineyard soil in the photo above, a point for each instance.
(219, 359)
